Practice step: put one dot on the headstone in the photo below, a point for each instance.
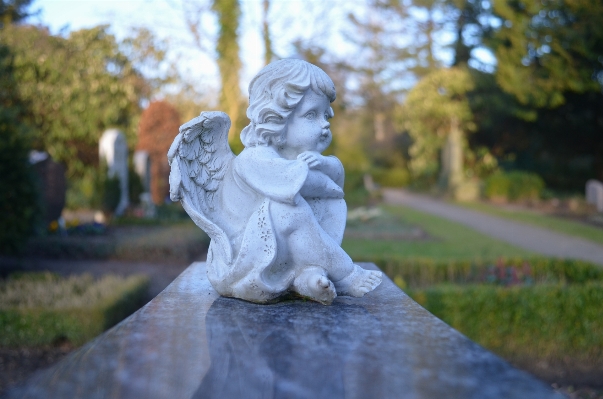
(594, 194)
(142, 167)
(451, 174)
(113, 150)
(53, 184)
(369, 183)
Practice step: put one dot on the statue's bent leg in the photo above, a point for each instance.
(306, 244)
(331, 215)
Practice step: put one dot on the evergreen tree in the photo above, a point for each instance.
(548, 48)
(19, 199)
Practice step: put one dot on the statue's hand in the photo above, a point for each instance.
(312, 158)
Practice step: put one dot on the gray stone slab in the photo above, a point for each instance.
(190, 343)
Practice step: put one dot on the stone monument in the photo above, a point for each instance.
(142, 167)
(594, 194)
(51, 176)
(275, 213)
(113, 151)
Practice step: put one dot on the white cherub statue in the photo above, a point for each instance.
(275, 213)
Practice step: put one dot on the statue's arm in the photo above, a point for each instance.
(320, 185)
(329, 165)
(334, 169)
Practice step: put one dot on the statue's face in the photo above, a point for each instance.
(308, 126)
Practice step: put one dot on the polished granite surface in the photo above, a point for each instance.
(190, 343)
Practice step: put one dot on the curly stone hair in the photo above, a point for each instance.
(273, 95)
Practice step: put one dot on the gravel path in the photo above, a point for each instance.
(528, 237)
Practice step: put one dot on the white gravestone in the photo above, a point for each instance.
(113, 150)
(594, 194)
(275, 213)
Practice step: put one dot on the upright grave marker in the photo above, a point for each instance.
(142, 166)
(594, 194)
(53, 184)
(113, 151)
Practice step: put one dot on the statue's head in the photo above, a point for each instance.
(273, 95)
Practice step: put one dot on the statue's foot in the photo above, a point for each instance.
(313, 283)
(359, 282)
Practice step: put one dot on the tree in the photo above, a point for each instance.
(12, 11)
(76, 87)
(228, 14)
(549, 48)
(158, 127)
(436, 109)
(229, 63)
(19, 199)
(268, 51)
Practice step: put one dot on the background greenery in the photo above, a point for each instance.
(445, 240)
(43, 308)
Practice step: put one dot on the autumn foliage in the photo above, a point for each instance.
(158, 126)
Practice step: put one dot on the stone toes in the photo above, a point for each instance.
(323, 282)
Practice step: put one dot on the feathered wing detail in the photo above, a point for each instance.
(199, 158)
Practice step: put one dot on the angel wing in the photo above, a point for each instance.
(199, 157)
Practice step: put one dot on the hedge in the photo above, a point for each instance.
(548, 321)
(42, 308)
(177, 243)
(415, 273)
(528, 311)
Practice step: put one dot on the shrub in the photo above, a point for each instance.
(41, 308)
(548, 322)
(496, 187)
(395, 177)
(176, 243)
(525, 186)
(110, 194)
(355, 192)
(514, 186)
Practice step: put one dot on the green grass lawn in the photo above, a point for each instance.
(449, 240)
(558, 224)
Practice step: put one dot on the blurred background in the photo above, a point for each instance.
(492, 105)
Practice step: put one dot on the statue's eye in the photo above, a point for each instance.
(310, 115)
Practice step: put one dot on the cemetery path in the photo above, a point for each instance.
(525, 236)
